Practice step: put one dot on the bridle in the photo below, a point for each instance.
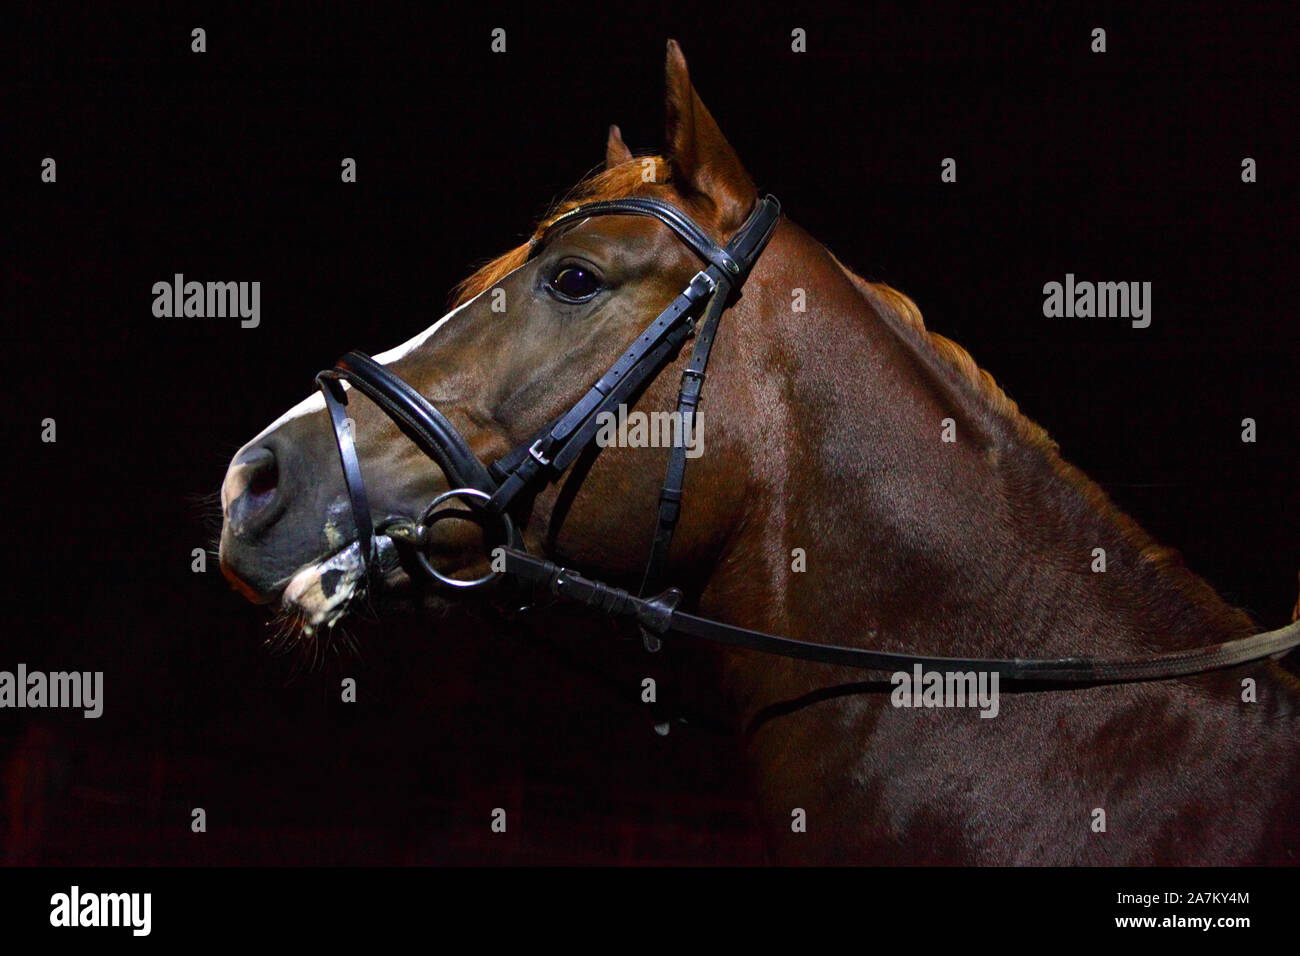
(548, 454)
(494, 492)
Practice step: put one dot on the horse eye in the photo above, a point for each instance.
(575, 283)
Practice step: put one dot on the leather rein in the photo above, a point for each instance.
(490, 492)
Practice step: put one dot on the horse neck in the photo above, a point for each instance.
(985, 546)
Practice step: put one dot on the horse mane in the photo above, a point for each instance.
(1033, 435)
(628, 179)
(900, 306)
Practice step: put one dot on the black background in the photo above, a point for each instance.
(225, 166)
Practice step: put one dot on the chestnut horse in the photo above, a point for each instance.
(863, 483)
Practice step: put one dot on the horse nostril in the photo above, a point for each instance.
(254, 504)
(265, 474)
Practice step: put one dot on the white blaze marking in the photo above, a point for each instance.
(410, 345)
(315, 402)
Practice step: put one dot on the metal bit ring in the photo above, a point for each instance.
(430, 517)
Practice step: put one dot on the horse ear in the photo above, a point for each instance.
(703, 162)
(616, 151)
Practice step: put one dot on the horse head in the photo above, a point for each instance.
(529, 334)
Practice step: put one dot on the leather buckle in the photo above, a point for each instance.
(537, 455)
(701, 284)
(688, 393)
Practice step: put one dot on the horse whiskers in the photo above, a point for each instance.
(309, 646)
(211, 515)
(285, 625)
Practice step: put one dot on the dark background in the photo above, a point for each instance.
(225, 166)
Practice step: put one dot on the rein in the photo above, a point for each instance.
(491, 492)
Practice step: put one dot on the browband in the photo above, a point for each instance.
(670, 216)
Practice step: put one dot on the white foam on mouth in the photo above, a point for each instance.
(323, 605)
(307, 590)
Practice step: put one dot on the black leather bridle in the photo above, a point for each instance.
(492, 491)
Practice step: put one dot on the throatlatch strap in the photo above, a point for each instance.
(746, 246)
(688, 400)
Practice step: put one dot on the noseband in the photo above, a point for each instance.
(492, 491)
